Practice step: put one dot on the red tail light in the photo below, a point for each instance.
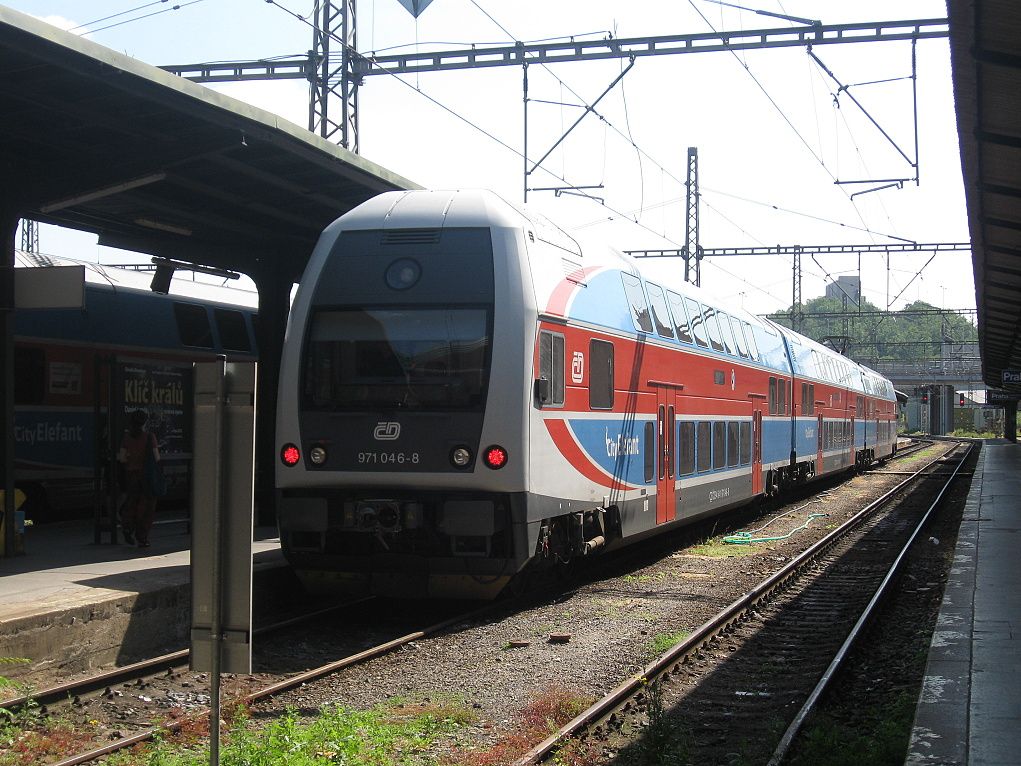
(495, 457)
(290, 454)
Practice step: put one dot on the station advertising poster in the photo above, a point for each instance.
(164, 392)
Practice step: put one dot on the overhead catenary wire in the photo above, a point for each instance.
(176, 7)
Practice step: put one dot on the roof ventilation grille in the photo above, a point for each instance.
(411, 236)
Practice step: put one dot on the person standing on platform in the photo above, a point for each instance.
(139, 509)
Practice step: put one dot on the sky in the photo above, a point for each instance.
(772, 133)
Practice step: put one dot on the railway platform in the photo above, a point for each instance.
(72, 604)
(969, 708)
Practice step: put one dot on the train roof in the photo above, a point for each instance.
(110, 277)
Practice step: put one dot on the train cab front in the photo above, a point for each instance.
(396, 473)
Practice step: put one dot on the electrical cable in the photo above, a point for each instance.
(177, 7)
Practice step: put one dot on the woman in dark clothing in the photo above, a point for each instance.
(139, 508)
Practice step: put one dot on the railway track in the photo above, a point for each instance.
(253, 689)
(746, 680)
(137, 678)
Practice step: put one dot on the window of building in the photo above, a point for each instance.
(600, 375)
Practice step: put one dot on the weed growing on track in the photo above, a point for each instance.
(27, 737)
(716, 549)
(544, 714)
(662, 642)
(397, 732)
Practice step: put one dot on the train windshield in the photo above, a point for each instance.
(398, 358)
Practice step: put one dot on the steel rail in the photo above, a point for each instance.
(75, 689)
(281, 686)
(672, 658)
(806, 710)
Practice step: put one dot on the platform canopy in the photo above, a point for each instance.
(95, 140)
(986, 60)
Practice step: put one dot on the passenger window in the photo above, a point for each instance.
(719, 444)
(600, 378)
(781, 396)
(811, 398)
(551, 366)
(714, 328)
(697, 328)
(728, 334)
(680, 317)
(753, 347)
(193, 325)
(30, 378)
(687, 449)
(660, 313)
(733, 439)
(636, 300)
(650, 451)
(742, 345)
(703, 446)
(772, 396)
(233, 332)
(746, 443)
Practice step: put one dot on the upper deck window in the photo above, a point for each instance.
(680, 317)
(697, 326)
(636, 300)
(660, 313)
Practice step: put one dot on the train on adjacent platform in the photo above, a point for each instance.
(468, 395)
(124, 348)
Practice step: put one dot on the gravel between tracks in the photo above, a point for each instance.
(612, 623)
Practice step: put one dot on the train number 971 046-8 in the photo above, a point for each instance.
(388, 458)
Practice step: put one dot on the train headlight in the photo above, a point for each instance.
(495, 457)
(403, 273)
(461, 456)
(317, 455)
(290, 454)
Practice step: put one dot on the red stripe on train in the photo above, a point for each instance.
(570, 449)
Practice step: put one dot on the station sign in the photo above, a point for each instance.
(1011, 376)
(996, 396)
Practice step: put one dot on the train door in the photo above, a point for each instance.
(666, 463)
(757, 451)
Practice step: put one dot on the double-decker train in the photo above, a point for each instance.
(80, 370)
(468, 395)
